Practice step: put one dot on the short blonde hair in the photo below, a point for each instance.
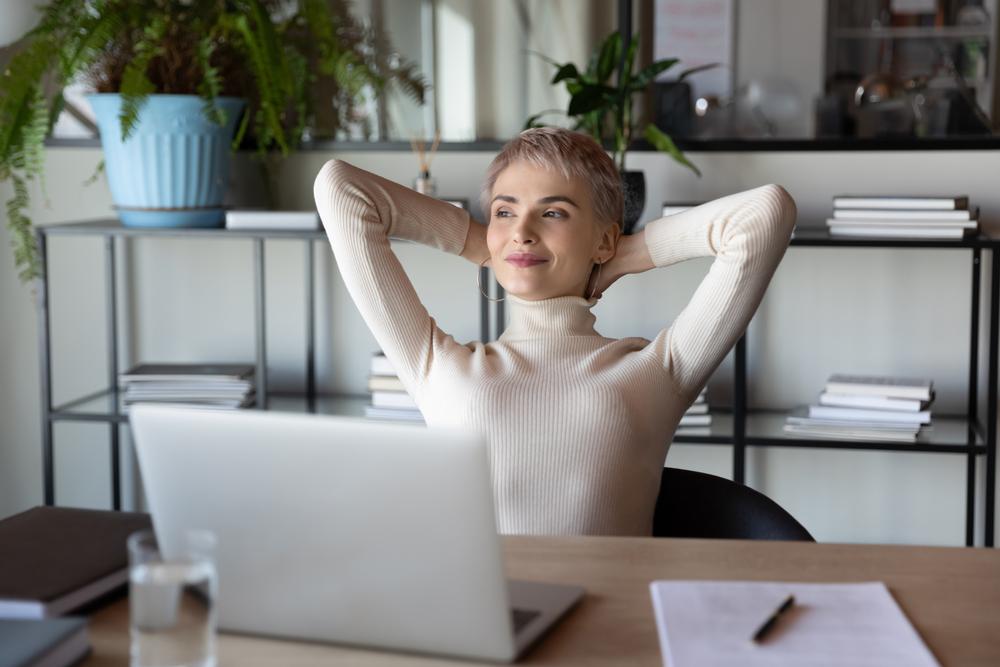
(572, 154)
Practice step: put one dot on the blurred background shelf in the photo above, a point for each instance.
(971, 435)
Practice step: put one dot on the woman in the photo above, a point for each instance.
(578, 425)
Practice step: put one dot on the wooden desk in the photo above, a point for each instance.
(951, 595)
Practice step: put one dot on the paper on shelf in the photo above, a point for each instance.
(709, 623)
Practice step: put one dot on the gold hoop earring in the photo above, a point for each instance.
(479, 281)
(599, 265)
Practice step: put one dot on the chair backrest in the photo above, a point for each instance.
(693, 504)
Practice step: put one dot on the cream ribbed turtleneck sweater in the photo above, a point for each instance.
(578, 424)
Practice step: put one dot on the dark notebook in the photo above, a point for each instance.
(54, 642)
(55, 559)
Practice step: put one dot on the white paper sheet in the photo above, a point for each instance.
(709, 623)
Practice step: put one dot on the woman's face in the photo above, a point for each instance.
(542, 237)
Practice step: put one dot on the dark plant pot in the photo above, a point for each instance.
(634, 192)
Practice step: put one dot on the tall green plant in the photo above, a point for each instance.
(606, 110)
(270, 52)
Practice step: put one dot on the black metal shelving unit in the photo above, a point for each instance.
(967, 434)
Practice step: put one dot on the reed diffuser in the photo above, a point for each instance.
(423, 183)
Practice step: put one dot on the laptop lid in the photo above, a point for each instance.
(335, 529)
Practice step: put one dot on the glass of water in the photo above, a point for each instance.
(172, 601)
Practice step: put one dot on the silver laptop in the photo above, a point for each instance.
(342, 530)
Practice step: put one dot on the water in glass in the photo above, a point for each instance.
(172, 609)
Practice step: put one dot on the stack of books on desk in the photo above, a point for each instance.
(389, 397)
(205, 386)
(903, 217)
(861, 407)
(697, 414)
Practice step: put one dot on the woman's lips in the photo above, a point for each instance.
(524, 259)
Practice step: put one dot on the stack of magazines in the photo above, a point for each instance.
(389, 397)
(903, 217)
(697, 414)
(861, 407)
(205, 386)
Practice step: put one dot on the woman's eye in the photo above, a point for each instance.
(554, 214)
(502, 214)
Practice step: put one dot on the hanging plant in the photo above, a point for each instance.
(269, 52)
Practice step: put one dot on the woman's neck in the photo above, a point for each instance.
(549, 318)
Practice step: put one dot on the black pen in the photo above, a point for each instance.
(769, 624)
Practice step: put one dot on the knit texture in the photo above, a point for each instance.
(578, 425)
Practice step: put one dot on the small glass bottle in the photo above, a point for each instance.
(424, 184)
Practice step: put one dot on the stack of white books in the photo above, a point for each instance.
(205, 386)
(861, 407)
(697, 414)
(906, 217)
(389, 397)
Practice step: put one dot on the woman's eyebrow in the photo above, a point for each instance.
(544, 200)
(555, 198)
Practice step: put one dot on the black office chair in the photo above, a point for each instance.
(693, 504)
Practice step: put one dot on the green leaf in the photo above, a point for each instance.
(626, 78)
(590, 98)
(567, 71)
(544, 57)
(694, 70)
(662, 142)
(242, 130)
(611, 53)
(96, 175)
(649, 72)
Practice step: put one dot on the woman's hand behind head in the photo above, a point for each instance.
(631, 256)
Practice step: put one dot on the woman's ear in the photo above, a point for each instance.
(609, 243)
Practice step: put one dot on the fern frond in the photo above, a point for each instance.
(33, 138)
(86, 44)
(267, 121)
(22, 239)
(409, 79)
(136, 86)
(59, 16)
(18, 84)
(210, 86)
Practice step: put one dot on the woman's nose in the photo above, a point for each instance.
(525, 230)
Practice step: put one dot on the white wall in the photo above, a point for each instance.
(880, 311)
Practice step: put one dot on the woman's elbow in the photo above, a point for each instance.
(332, 178)
(779, 206)
(335, 188)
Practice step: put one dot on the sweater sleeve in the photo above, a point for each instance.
(360, 212)
(748, 234)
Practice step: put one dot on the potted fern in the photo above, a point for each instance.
(181, 80)
(607, 111)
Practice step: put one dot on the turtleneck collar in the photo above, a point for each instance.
(550, 318)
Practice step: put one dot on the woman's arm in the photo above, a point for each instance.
(360, 212)
(748, 234)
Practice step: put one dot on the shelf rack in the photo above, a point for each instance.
(741, 428)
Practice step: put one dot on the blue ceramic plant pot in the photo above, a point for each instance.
(172, 170)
